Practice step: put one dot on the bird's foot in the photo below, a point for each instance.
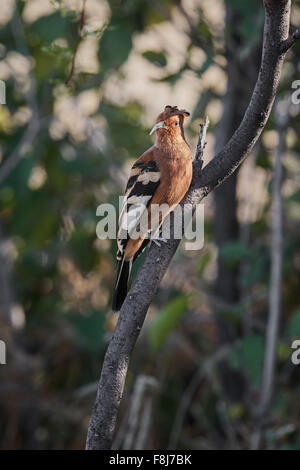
(158, 240)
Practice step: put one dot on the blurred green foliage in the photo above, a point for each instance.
(166, 321)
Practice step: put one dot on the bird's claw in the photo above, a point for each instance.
(158, 240)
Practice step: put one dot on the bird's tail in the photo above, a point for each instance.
(121, 284)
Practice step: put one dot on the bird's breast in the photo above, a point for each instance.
(176, 176)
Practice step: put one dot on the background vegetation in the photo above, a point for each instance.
(67, 140)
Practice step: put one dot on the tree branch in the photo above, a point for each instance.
(34, 123)
(27, 139)
(81, 27)
(191, 389)
(282, 119)
(201, 140)
(134, 309)
(290, 41)
(282, 114)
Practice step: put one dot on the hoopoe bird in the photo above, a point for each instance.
(159, 178)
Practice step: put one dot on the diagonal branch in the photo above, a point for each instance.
(27, 139)
(134, 309)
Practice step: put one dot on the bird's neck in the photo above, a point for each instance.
(167, 142)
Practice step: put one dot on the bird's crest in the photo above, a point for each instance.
(172, 111)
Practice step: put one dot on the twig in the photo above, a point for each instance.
(198, 160)
(145, 424)
(194, 31)
(32, 130)
(145, 285)
(202, 140)
(290, 41)
(11, 162)
(191, 390)
(136, 419)
(80, 37)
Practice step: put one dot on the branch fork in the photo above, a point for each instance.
(290, 41)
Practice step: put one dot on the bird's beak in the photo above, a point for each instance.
(158, 125)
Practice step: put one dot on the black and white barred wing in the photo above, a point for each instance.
(141, 186)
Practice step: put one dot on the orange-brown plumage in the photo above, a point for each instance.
(167, 167)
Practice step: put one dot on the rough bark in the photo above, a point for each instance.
(134, 309)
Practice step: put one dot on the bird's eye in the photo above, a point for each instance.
(176, 123)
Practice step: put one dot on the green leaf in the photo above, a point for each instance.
(58, 53)
(123, 123)
(203, 262)
(253, 357)
(258, 269)
(235, 252)
(18, 178)
(284, 351)
(294, 445)
(48, 28)
(173, 77)
(294, 325)
(47, 227)
(250, 22)
(83, 251)
(115, 46)
(202, 103)
(235, 358)
(263, 160)
(249, 355)
(156, 58)
(166, 320)
(295, 197)
(236, 411)
(206, 64)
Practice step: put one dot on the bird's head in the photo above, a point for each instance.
(170, 122)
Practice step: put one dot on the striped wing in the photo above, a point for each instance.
(141, 186)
